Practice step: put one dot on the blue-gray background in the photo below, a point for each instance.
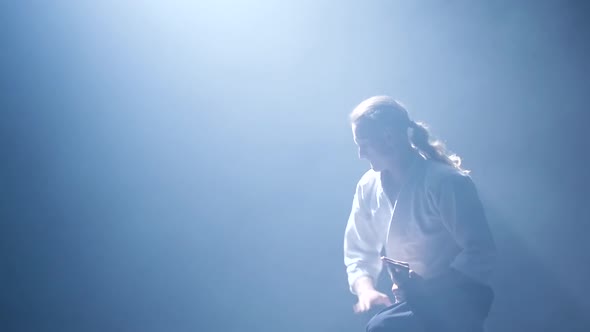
(188, 165)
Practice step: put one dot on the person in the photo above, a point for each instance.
(416, 205)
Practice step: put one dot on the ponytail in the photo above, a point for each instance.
(432, 148)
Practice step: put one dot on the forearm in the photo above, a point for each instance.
(362, 271)
(363, 241)
(363, 284)
(361, 256)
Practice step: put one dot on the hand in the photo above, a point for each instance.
(370, 298)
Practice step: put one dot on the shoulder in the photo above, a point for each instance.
(368, 182)
(369, 178)
(438, 175)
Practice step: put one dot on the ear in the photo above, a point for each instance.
(388, 139)
(394, 140)
(391, 138)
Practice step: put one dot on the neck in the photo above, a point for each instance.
(401, 166)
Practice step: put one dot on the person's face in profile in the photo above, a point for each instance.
(383, 147)
(374, 146)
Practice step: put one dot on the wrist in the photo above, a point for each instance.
(363, 284)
